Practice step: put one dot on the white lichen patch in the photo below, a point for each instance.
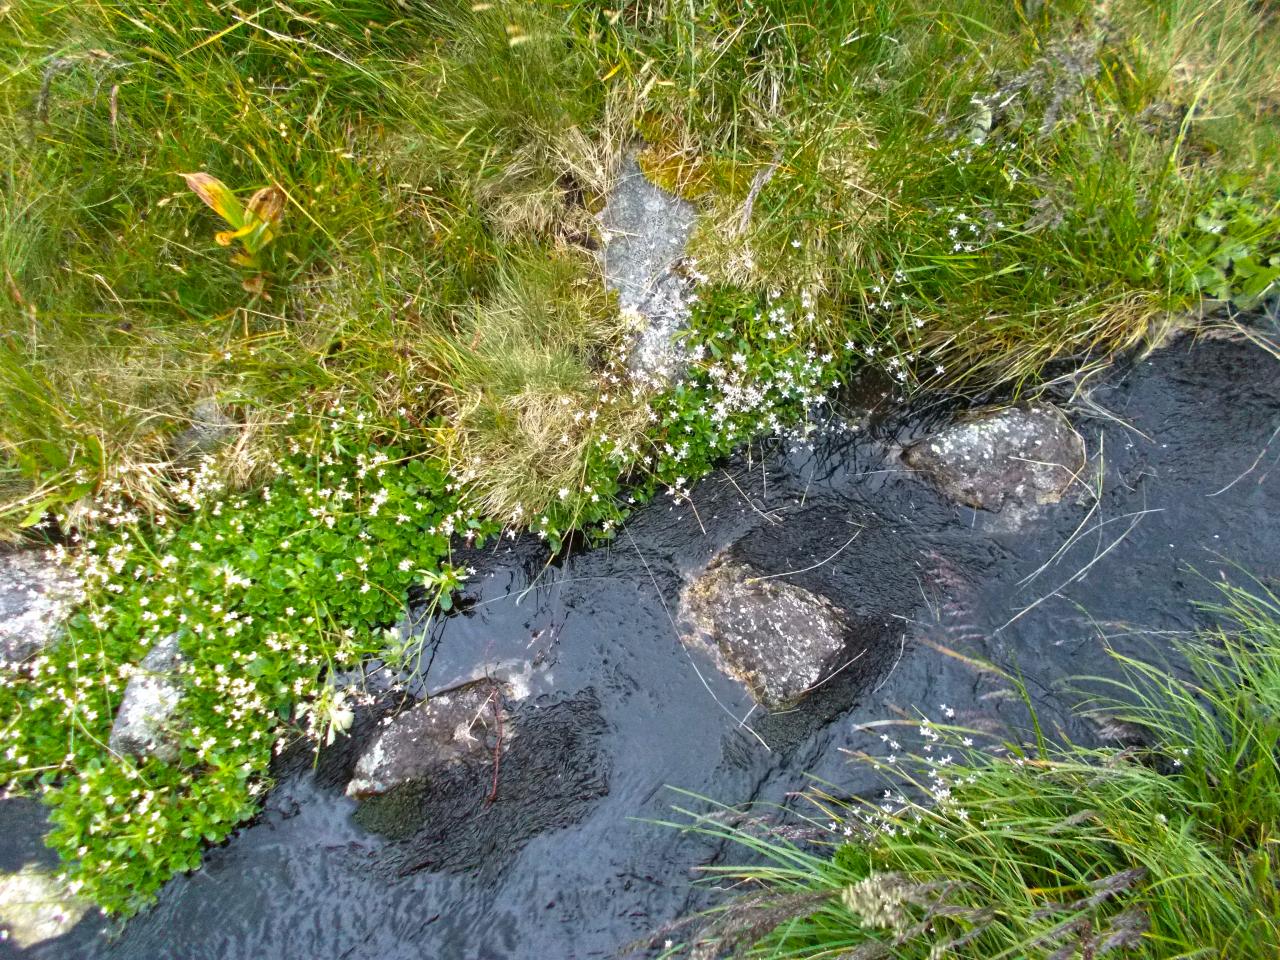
(645, 231)
(36, 594)
(36, 906)
(147, 711)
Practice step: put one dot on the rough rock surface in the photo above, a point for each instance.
(452, 727)
(777, 638)
(35, 596)
(210, 427)
(143, 722)
(645, 231)
(464, 818)
(35, 906)
(1015, 457)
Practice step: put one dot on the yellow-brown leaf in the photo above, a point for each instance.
(218, 196)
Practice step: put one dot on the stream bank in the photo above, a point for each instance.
(615, 707)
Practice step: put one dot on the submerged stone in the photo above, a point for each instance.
(35, 597)
(645, 231)
(777, 638)
(1014, 457)
(457, 726)
(144, 722)
(475, 816)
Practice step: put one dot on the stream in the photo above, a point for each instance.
(567, 861)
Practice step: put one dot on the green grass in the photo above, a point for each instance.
(1171, 849)
(436, 156)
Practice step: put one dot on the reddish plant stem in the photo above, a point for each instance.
(496, 700)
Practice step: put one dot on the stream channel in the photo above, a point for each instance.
(567, 862)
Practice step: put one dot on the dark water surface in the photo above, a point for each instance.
(563, 865)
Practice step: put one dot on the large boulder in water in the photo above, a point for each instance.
(144, 725)
(777, 638)
(1017, 457)
(458, 726)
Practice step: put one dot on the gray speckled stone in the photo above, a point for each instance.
(454, 726)
(210, 428)
(645, 231)
(143, 725)
(777, 638)
(1014, 458)
(35, 596)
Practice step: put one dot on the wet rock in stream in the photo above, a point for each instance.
(778, 638)
(457, 727)
(473, 814)
(1015, 458)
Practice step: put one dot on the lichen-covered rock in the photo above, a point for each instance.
(36, 906)
(36, 594)
(210, 427)
(645, 231)
(460, 725)
(144, 722)
(1015, 457)
(777, 638)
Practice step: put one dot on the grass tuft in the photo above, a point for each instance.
(1163, 850)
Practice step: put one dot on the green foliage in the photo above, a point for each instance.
(753, 371)
(270, 594)
(1237, 239)
(1161, 851)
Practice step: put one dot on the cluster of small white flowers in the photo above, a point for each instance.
(198, 484)
(897, 814)
(966, 234)
(904, 364)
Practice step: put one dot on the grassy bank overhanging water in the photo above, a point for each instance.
(982, 847)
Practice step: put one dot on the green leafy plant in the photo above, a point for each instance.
(1237, 238)
(253, 223)
(270, 594)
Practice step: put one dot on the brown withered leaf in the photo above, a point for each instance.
(257, 285)
(267, 205)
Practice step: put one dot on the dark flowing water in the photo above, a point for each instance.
(565, 863)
